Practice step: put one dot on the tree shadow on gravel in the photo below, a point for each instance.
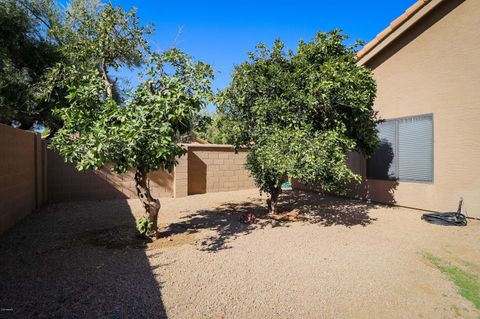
(294, 206)
(78, 260)
(224, 221)
(328, 210)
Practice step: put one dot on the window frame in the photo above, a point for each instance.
(397, 137)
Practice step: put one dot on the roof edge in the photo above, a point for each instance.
(394, 25)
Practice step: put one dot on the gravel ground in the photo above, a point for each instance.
(327, 258)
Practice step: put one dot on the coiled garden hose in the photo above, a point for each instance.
(447, 219)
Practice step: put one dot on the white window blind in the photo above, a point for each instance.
(405, 151)
(415, 148)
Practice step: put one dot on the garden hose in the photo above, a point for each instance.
(447, 219)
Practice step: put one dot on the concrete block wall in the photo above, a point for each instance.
(180, 184)
(66, 183)
(31, 176)
(205, 168)
(22, 175)
(216, 168)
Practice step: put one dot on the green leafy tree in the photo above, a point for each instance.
(97, 38)
(199, 125)
(140, 135)
(212, 128)
(217, 131)
(26, 52)
(139, 132)
(33, 38)
(301, 114)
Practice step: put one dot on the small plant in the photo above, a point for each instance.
(144, 226)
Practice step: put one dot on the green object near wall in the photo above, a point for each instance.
(286, 186)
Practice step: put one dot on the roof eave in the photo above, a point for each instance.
(395, 29)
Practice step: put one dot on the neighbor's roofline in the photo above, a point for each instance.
(396, 28)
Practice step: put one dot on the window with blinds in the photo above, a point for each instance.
(405, 151)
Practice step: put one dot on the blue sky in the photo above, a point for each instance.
(222, 32)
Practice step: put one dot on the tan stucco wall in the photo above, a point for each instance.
(436, 71)
(217, 169)
(22, 174)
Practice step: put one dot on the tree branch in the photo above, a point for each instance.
(106, 80)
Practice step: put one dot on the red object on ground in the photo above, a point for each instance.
(248, 218)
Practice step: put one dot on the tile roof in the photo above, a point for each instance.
(392, 27)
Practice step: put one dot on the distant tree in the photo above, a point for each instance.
(98, 37)
(26, 52)
(217, 132)
(32, 35)
(201, 121)
(140, 132)
(211, 127)
(301, 114)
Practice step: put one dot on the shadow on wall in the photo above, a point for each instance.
(295, 206)
(78, 259)
(163, 181)
(376, 191)
(381, 165)
(66, 183)
(197, 175)
(381, 168)
(379, 189)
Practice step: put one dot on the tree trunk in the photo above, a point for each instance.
(106, 80)
(151, 205)
(273, 201)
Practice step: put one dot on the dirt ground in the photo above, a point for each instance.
(328, 258)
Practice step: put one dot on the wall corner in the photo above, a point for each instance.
(180, 182)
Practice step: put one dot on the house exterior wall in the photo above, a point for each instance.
(434, 68)
(22, 175)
